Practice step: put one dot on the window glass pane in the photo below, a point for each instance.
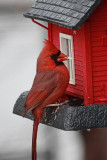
(69, 43)
(67, 64)
(63, 44)
(71, 70)
(64, 49)
(67, 46)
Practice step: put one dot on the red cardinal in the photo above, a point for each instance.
(49, 85)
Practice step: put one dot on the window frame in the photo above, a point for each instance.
(70, 57)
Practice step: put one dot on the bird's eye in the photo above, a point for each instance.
(54, 56)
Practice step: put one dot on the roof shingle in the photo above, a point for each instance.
(59, 11)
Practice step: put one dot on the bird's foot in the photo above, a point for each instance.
(46, 116)
(56, 110)
(58, 105)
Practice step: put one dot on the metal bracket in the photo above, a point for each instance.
(40, 24)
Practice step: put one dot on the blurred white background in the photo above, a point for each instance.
(20, 44)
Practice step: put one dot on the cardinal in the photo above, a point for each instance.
(49, 85)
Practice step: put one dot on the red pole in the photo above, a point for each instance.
(40, 24)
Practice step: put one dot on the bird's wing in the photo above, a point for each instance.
(43, 85)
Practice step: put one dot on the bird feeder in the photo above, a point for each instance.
(78, 29)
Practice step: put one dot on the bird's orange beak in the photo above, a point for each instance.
(62, 57)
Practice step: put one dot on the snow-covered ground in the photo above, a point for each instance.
(20, 44)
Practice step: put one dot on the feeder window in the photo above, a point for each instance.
(66, 47)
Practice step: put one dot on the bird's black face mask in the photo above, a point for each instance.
(55, 57)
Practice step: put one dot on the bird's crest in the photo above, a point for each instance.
(50, 47)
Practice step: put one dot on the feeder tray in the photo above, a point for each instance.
(73, 116)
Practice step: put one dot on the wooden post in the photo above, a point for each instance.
(88, 88)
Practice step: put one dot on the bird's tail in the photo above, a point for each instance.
(34, 140)
(34, 136)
